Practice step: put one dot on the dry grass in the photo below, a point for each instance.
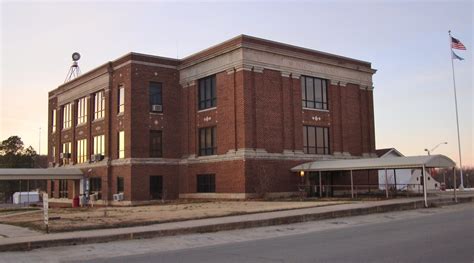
(93, 218)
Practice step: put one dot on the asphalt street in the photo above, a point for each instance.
(446, 237)
(424, 235)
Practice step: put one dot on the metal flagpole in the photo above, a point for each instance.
(461, 187)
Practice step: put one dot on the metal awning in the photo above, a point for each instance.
(40, 173)
(405, 162)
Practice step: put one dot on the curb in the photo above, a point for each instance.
(29, 245)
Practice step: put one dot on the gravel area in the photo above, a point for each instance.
(70, 219)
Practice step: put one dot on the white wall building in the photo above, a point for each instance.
(410, 179)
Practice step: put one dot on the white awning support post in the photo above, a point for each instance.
(320, 186)
(455, 185)
(424, 187)
(386, 184)
(352, 186)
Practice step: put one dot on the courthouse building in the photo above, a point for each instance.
(227, 122)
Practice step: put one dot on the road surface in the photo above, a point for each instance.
(424, 235)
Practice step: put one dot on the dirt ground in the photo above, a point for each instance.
(70, 219)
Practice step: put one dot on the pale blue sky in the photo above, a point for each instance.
(406, 41)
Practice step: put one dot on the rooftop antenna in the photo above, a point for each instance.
(74, 70)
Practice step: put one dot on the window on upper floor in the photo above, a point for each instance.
(207, 141)
(121, 99)
(81, 151)
(121, 144)
(315, 140)
(99, 105)
(314, 93)
(53, 121)
(156, 97)
(99, 145)
(67, 116)
(81, 110)
(156, 144)
(207, 92)
(206, 183)
(66, 153)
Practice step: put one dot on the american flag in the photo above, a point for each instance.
(456, 44)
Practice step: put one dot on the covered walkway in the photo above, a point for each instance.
(26, 179)
(350, 165)
(40, 174)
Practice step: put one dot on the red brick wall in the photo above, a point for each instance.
(255, 110)
(230, 176)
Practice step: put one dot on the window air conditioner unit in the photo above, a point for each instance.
(157, 108)
(64, 155)
(94, 197)
(97, 157)
(118, 197)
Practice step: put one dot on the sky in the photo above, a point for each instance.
(406, 41)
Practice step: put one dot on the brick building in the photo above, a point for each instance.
(227, 122)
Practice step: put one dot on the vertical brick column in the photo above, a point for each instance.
(192, 109)
(297, 113)
(73, 132)
(90, 142)
(258, 121)
(342, 116)
(288, 114)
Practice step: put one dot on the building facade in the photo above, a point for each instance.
(226, 122)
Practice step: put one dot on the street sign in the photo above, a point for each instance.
(45, 211)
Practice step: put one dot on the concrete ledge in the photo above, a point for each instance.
(61, 240)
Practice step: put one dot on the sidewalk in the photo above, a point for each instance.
(222, 223)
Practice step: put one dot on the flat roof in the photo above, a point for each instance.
(405, 162)
(40, 173)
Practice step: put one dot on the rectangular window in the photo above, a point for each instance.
(99, 145)
(156, 187)
(314, 93)
(121, 99)
(67, 148)
(67, 116)
(156, 144)
(315, 140)
(120, 185)
(63, 191)
(121, 144)
(156, 97)
(53, 121)
(99, 105)
(207, 141)
(206, 183)
(82, 110)
(207, 92)
(95, 186)
(52, 189)
(81, 151)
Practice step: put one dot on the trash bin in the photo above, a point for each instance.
(75, 202)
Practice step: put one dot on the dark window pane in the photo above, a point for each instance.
(156, 144)
(315, 140)
(120, 185)
(156, 187)
(207, 92)
(314, 92)
(205, 183)
(207, 141)
(155, 93)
